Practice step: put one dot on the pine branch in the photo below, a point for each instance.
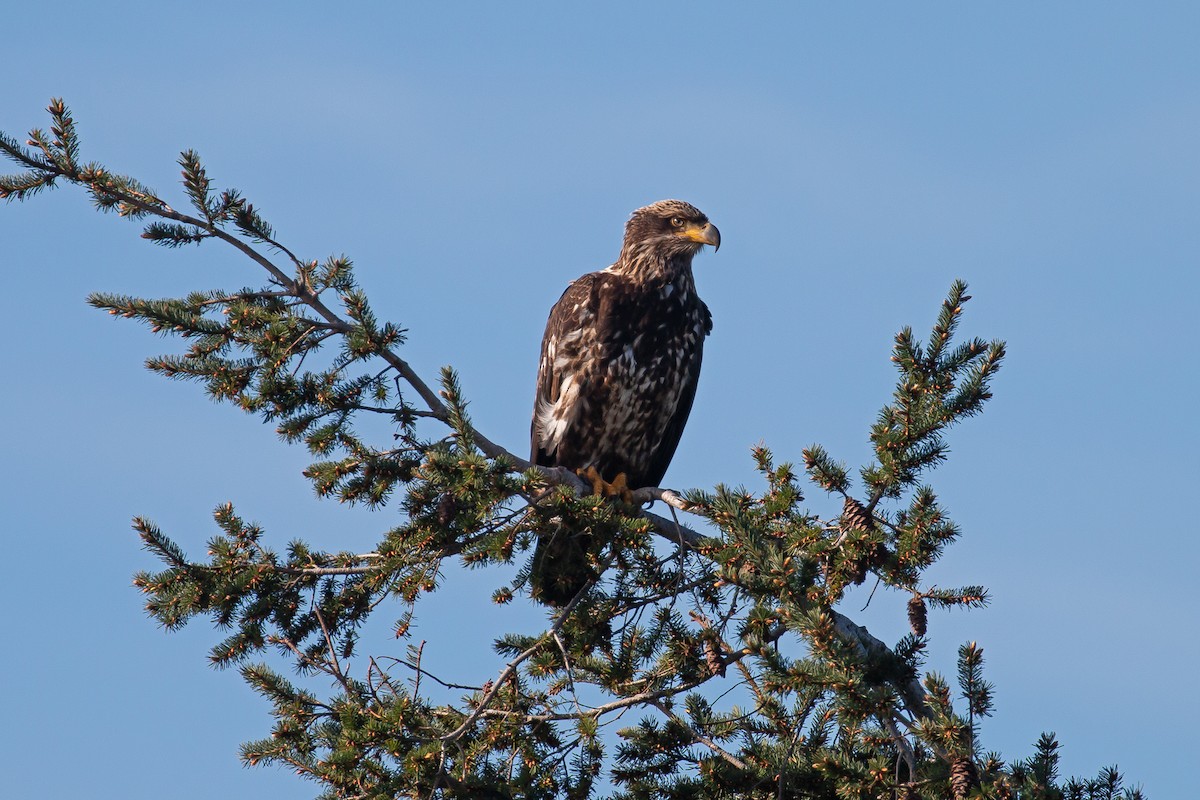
(766, 581)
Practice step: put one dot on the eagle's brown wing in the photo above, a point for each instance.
(567, 371)
(659, 458)
(566, 385)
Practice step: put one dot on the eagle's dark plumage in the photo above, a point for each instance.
(618, 372)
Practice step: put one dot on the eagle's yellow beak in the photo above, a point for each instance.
(704, 234)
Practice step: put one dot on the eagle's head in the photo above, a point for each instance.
(669, 231)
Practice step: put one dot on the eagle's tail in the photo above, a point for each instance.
(560, 567)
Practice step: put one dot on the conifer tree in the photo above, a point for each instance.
(627, 692)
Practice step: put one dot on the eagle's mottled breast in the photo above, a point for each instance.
(620, 362)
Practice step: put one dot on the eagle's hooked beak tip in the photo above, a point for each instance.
(705, 234)
(712, 236)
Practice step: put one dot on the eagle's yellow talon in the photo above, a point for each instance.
(618, 488)
(593, 477)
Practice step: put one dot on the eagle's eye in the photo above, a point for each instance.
(676, 222)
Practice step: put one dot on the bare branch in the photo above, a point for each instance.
(902, 744)
(912, 695)
(650, 493)
(363, 570)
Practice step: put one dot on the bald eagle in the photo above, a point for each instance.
(618, 371)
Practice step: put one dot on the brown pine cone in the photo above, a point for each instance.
(963, 778)
(447, 509)
(918, 617)
(855, 517)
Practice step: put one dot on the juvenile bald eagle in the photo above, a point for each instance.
(620, 361)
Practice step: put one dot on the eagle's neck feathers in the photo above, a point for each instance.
(646, 263)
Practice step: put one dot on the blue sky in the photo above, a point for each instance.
(856, 158)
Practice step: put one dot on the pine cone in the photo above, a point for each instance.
(963, 778)
(855, 517)
(447, 509)
(917, 616)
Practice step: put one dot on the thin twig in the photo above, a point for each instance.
(701, 738)
(337, 667)
(419, 671)
(510, 670)
(422, 671)
(902, 744)
(567, 669)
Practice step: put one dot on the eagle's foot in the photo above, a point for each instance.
(618, 488)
